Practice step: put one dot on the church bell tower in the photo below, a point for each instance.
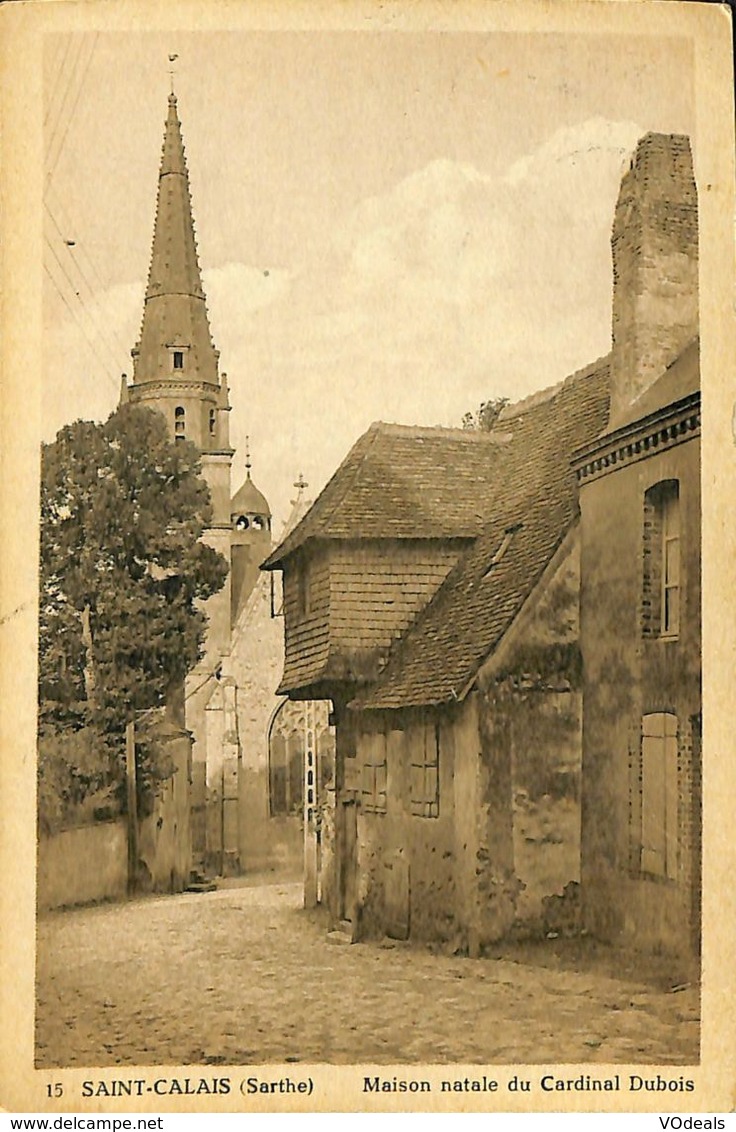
(176, 371)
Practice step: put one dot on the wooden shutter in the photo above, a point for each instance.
(659, 795)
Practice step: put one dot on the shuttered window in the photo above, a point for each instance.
(374, 773)
(425, 773)
(659, 795)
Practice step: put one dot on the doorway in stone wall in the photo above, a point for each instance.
(301, 760)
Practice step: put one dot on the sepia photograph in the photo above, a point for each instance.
(363, 667)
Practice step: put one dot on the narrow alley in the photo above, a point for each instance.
(244, 976)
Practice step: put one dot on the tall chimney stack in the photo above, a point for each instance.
(655, 266)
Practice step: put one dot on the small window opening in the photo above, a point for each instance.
(258, 522)
(179, 423)
(241, 523)
(178, 359)
(670, 565)
(212, 422)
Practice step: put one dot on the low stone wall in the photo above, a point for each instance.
(164, 837)
(83, 865)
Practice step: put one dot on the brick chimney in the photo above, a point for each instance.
(655, 265)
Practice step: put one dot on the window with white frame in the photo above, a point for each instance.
(661, 595)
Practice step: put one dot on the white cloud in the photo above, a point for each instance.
(453, 287)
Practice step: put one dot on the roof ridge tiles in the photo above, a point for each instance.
(418, 481)
(432, 432)
(541, 396)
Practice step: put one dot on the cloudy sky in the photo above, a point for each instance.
(391, 225)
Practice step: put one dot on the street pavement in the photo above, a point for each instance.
(246, 976)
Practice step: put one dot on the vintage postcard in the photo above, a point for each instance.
(368, 457)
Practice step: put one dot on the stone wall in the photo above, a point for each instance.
(165, 835)
(265, 843)
(83, 865)
(447, 876)
(533, 689)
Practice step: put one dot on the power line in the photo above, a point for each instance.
(71, 225)
(75, 292)
(55, 83)
(117, 344)
(68, 84)
(74, 107)
(81, 326)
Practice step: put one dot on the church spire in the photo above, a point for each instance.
(175, 340)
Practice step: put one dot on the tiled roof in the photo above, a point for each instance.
(402, 482)
(440, 654)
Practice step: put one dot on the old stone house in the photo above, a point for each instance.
(640, 601)
(432, 595)
(404, 619)
(356, 571)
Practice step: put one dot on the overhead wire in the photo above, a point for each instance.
(53, 155)
(56, 79)
(109, 334)
(80, 324)
(80, 87)
(66, 88)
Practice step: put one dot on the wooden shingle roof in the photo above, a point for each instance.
(525, 521)
(405, 482)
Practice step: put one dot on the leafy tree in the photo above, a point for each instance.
(486, 414)
(123, 572)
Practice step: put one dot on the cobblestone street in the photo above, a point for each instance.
(245, 976)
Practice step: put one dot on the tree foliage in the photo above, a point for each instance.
(486, 414)
(123, 571)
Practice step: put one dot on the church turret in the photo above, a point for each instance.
(250, 517)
